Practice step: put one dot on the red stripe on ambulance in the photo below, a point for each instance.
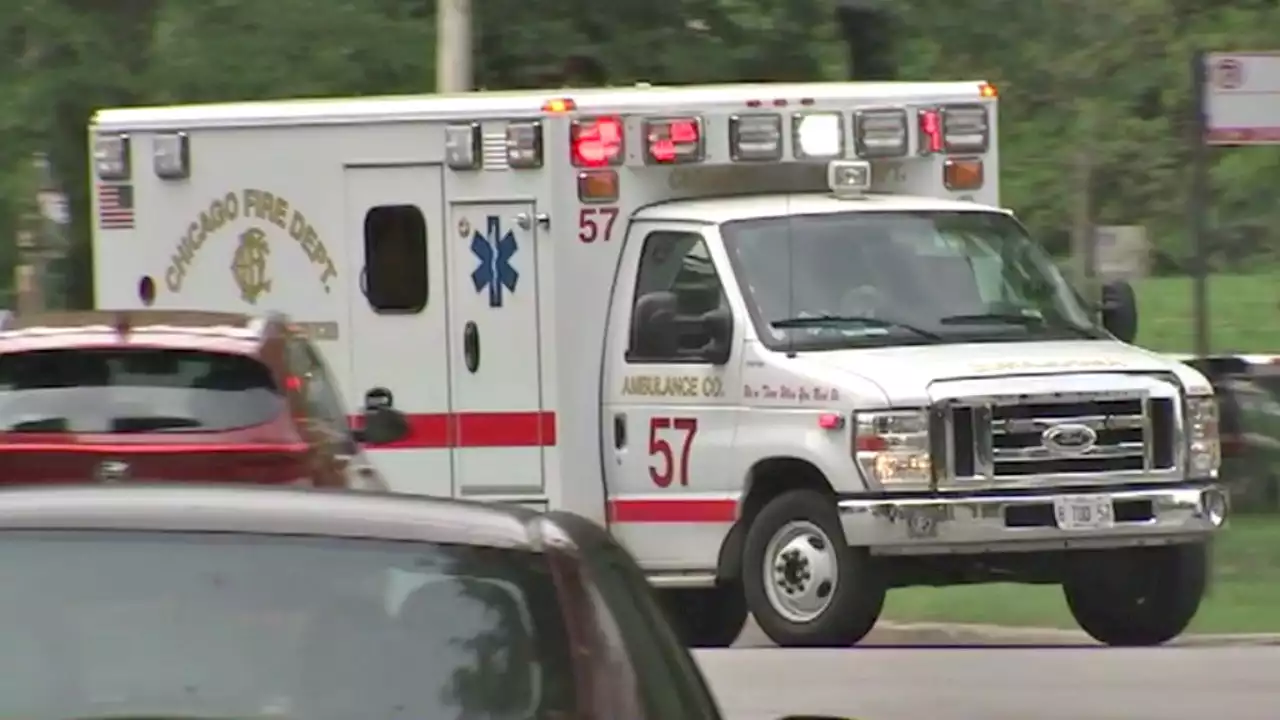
(674, 510)
(475, 430)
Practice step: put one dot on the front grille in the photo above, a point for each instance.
(1063, 437)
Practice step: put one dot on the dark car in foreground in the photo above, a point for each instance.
(246, 602)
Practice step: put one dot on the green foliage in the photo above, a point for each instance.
(1110, 78)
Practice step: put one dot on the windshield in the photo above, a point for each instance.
(892, 278)
(123, 390)
(238, 626)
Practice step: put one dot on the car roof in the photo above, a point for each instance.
(267, 511)
(189, 330)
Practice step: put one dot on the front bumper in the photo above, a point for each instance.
(966, 524)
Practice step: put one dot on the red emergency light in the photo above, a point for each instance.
(930, 132)
(673, 141)
(597, 142)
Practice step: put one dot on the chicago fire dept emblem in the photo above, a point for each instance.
(249, 265)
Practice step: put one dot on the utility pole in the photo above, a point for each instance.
(453, 46)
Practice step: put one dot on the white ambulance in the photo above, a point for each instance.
(781, 338)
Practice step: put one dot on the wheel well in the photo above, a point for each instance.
(766, 480)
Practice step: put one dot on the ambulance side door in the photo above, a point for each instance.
(495, 379)
(398, 326)
(672, 397)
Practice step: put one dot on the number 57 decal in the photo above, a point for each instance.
(664, 469)
(596, 223)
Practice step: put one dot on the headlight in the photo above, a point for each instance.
(892, 446)
(1204, 451)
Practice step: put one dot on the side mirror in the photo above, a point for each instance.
(718, 324)
(383, 425)
(1120, 310)
(382, 422)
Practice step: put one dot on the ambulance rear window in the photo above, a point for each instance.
(134, 390)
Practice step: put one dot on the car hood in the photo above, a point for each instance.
(909, 376)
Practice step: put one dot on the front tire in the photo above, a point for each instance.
(706, 617)
(1137, 597)
(805, 586)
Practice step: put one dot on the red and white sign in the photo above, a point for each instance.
(1242, 98)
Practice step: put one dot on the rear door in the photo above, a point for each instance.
(399, 328)
(493, 345)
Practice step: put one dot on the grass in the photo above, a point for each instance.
(1244, 596)
(1244, 313)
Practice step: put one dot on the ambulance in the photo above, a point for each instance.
(782, 339)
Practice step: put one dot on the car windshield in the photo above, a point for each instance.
(129, 624)
(892, 278)
(130, 390)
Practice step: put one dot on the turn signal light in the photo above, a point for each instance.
(962, 174)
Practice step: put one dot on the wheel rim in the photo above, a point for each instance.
(800, 573)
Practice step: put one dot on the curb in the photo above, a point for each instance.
(965, 633)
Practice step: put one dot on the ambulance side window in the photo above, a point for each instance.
(676, 287)
(395, 259)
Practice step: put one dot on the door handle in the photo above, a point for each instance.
(471, 346)
(619, 431)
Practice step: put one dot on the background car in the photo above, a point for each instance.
(111, 396)
(233, 602)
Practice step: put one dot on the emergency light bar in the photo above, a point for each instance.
(880, 133)
(597, 142)
(111, 157)
(524, 145)
(954, 129)
(462, 146)
(755, 138)
(818, 135)
(673, 141)
(964, 128)
(171, 156)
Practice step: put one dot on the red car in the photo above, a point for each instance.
(174, 396)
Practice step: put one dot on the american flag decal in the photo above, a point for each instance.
(115, 207)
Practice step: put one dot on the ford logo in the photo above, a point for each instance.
(1069, 439)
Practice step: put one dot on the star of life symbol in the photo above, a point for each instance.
(494, 249)
(249, 265)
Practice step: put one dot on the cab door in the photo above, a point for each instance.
(671, 409)
(495, 366)
(399, 329)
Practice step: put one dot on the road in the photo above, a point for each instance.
(1062, 683)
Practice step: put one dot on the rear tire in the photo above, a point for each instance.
(1137, 597)
(805, 586)
(706, 617)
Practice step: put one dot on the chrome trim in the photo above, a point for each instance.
(1148, 431)
(1094, 422)
(970, 525)
(984, 454)
(1118, 451)
(985, 396)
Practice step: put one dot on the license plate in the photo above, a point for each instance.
(1083, 512)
